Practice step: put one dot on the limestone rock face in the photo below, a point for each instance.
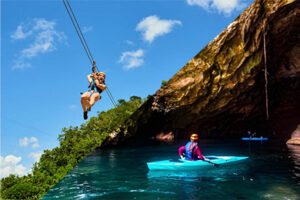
(221, 90)
(295, 139)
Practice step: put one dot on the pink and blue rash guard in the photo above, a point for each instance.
(191, 151)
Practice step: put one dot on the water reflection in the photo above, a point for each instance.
(112, 158)
(294, 152)
(218, 173)
(281, 192)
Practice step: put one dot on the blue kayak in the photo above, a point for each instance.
(255, 138)
(195, 165)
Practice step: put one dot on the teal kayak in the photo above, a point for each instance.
(195, 165)
(255, 138)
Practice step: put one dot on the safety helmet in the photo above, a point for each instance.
(101, 73)
(194, 137)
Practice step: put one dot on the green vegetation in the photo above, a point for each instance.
(163, 83)
(74, 144)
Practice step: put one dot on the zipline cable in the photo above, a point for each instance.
(107, 89)
(111, 97)
(77, 31)
(80, 30)
(85, 45)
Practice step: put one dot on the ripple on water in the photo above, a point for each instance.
(130, 194)
(281, 192)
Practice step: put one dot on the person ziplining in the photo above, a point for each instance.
(90, 97)
(96, 79)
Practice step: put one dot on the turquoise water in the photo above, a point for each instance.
(271, 172)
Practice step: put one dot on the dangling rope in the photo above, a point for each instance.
(85, 45)
(266, 78)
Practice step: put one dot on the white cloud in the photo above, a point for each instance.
(43, 39)
(87, 29)
(129, 42)
(32, 141)
(19, 34)
(23, 142)
(21, 65)
(35, 145)
(43, 24)
(152, 27)
(222, 6)
(72, 107)
(132, 59)
(201, 3)
(35, 155)
(11, 165)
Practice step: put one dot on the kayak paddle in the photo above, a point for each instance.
(215, 164)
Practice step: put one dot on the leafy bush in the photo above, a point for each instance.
(164, 83)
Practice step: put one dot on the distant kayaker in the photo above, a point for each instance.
(191, 150)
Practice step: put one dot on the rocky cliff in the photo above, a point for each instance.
(247, 78)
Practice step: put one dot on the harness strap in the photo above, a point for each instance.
(93, 86)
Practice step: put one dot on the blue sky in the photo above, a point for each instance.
(43, 65)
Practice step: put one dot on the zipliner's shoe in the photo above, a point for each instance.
(85, 115)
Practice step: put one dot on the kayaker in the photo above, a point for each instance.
(191, 150)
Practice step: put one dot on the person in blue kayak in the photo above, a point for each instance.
(191, 150)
